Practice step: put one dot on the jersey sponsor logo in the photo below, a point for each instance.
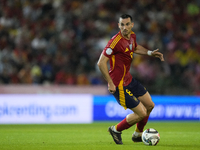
(109, 51)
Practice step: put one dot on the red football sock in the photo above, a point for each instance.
(122, 125)
(140, 125)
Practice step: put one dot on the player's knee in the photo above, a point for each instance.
(150, 107)
(143, 114)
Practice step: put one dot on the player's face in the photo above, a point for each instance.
(125, 26)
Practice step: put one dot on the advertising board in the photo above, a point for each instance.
(46, 108)
(166, 108)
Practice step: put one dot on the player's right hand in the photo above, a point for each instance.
(111, 88)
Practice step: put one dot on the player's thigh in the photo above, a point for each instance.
(146, 100)
(140, 110)
(125, 98)
(139, 113)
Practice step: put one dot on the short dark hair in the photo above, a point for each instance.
(124, 16)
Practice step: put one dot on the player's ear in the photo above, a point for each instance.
(132, 24)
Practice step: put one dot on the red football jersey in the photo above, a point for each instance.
(120, 53)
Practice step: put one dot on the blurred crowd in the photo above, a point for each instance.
(60, 41)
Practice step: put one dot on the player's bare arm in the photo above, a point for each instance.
(143, 51)
(102, 64)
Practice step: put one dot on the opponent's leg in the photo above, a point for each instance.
(149, 105)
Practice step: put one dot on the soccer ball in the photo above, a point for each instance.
(150, 137)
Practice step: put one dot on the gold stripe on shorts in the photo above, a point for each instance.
(121, 91)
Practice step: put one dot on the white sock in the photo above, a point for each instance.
(137, 134)
(114, 129)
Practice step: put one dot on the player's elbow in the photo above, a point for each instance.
(100, 63)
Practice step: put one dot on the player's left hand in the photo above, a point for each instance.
(157, 54)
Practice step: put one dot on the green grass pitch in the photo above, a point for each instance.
(174, 136)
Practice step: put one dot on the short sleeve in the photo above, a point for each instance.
(107, 52)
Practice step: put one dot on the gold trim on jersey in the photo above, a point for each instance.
(115, 41)
(113, 62)
(121, 91)
(132, 32)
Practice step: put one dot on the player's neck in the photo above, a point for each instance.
(126, 36)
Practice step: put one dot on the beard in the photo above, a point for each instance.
(125, 32)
